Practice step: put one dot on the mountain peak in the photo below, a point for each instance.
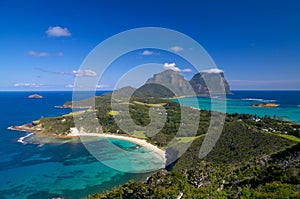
(216, 82)
(166, 77)
(171, 83)
(172, 80)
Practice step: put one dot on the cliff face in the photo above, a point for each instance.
(172, 80)
(170, 83)
(216, 81)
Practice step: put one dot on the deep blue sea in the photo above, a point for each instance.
(66, 169)
(63, 168)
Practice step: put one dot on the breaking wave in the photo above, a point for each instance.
(258, 99)
(22, 139)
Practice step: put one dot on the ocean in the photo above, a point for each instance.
(242, 101)
(62, 168)
(66, 169)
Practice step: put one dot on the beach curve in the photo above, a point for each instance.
(161, 153)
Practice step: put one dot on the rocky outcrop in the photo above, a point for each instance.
(214, 83)
(65, 105)
(35, 96)
(171, 83)
(270, 105)
(172, 80)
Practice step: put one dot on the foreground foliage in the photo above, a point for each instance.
(273, 176)
(255, 157)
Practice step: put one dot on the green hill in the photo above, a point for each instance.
(251, 159)
(246, 162)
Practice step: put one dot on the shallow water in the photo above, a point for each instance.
(62, 167)
(242, 101)
(65, 168)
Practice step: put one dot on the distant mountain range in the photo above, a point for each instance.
(171, 83)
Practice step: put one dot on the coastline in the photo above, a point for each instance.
(161, 153)
(75, 133)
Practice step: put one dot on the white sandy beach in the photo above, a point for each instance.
(161, 153)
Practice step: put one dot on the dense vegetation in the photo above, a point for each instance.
(270, 176)
(255, 157)
(104, 118)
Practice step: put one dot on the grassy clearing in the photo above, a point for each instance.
(188, 139)
(112, 113)
(36, 122)
(139, 134)
(126, 103)
(149, 105)
(156, 105)
(79, 112)
(139, 103)
(289, 137)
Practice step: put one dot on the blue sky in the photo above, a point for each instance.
(43, 43)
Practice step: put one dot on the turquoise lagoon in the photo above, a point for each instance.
(66, 169)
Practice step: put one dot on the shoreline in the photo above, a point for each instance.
(161, 153)
(75, 133)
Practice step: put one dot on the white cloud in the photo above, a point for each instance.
(147, 52)
(69, 86)
(100, 86)
(176, 48)
(97, 86)
(32, 85)
(77, 73)
(58, 31)
(187, 70)
(80, 73)
(171, 66)
(213, 70)
(37, 54)
(60, 54)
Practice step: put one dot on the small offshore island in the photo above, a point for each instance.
(254, 157)
(35, 96)
(268, 105)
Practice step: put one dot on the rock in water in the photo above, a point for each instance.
(266, 105)
(35, 96)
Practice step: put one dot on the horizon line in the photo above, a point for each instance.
(112, 90)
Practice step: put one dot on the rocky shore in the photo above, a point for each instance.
(270, 105)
